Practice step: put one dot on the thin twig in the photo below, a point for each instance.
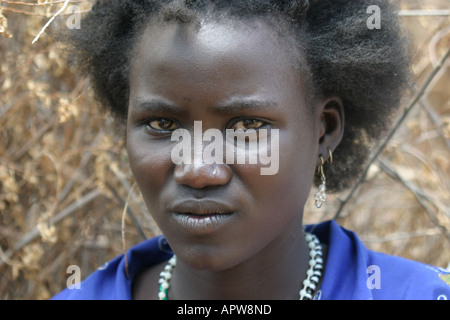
(32, 142)
(68, 186)
(30, 236)
(84, 161)
(28, 13)
(144, 213)
(419, 194)
(435, 39)
(423, 12)
(397, 124)
(129, 210)
(124, 246)
(424, 160)
(17, 100)
(38, 4)
(5, 258)
(64, 6)
(404, 235)
(436, 121)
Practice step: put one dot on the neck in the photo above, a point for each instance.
(276, 272)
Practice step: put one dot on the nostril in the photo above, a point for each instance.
(202, 175)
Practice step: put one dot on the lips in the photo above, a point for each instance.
(201, 207)
(201, 217)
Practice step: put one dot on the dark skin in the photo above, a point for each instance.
(227, 75)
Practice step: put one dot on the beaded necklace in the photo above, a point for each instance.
(309, 284)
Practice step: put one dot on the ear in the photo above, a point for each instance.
(332, 121)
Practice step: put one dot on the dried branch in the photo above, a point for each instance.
(436, 121)
(390, 134)
(129, 211)
(124, 245)
(38, 4)
(32, 142)
(33, 234)
(423, 12)
(28, 13)
(64, 6)
(404, 235)
(421, 196)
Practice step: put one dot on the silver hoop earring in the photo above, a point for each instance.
(321, 194)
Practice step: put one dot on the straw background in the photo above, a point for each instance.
(65, 179)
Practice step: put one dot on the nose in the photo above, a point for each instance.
(202, 175)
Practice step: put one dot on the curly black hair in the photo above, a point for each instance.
(368, 68)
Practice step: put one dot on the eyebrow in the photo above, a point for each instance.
(159, 105)
(156, 105)
(242, 105)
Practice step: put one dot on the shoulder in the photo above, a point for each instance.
(354, 272)
(400, 278)
(113, 280)
(100, 285)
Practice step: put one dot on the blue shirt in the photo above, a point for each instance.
(351, 272)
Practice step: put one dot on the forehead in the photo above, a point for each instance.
(212, 61)
(167, 43)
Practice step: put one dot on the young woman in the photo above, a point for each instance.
(315, 87)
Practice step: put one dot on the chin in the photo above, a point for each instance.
(209, 258)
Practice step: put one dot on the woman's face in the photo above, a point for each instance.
(227, 76)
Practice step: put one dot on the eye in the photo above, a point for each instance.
(246, 124)
(162, 124)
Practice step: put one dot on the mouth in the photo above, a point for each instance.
(201, 217)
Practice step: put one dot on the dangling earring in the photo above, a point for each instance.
(331, 155)
(321, 194)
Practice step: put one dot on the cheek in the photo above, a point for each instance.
(289, 187)
(150, 163)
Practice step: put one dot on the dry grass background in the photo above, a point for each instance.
(64, 175)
